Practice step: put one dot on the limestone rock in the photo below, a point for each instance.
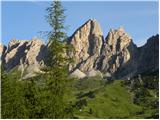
(93, 73)
(25, 55)
(117, 56)
(117, 51)
(144, 59)
(2, 49)
(87, 42)
(78, 74)
(2, 52)
(118, 39)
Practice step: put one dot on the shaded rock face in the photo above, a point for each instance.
(116, 56)
(149, 55)
(28, 56)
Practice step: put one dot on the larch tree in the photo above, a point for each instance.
(57, 68)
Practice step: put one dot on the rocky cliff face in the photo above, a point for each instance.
(87, 42)
(116, 51)
(2, 50)
(27, 56)
(115, 56)
(149, 55)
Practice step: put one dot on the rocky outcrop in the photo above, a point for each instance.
(114, 57)
(93, 73)
(87, 42)
(78, 74)
(143, 59)
(2, 52)
(115, 52)
(2, 49)
(26, 55)
(117, 56)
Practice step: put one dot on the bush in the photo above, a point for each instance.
(81, 103)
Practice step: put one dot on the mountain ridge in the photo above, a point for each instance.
(114, 55)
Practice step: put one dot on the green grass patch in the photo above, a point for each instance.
(110, 101)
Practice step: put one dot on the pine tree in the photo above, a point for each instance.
(31, 93)
(57, 71)
(13, 102)
(20, 99)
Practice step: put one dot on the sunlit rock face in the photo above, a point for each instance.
(115, 50)
(25, 55)
(118, 52)
(78, 74)
(2, 49)
(2, 52)
(87, 42)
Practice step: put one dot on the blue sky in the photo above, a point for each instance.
(24, 20)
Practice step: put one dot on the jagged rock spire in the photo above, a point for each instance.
(87, 41)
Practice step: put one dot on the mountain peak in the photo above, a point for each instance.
(118, 37)
(92, 19)
(87, 41)
(93, 26)
(121, 29)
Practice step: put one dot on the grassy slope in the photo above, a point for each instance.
(112, 100)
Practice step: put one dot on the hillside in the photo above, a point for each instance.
(91, 97)
(110, 101)
(115, 99)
